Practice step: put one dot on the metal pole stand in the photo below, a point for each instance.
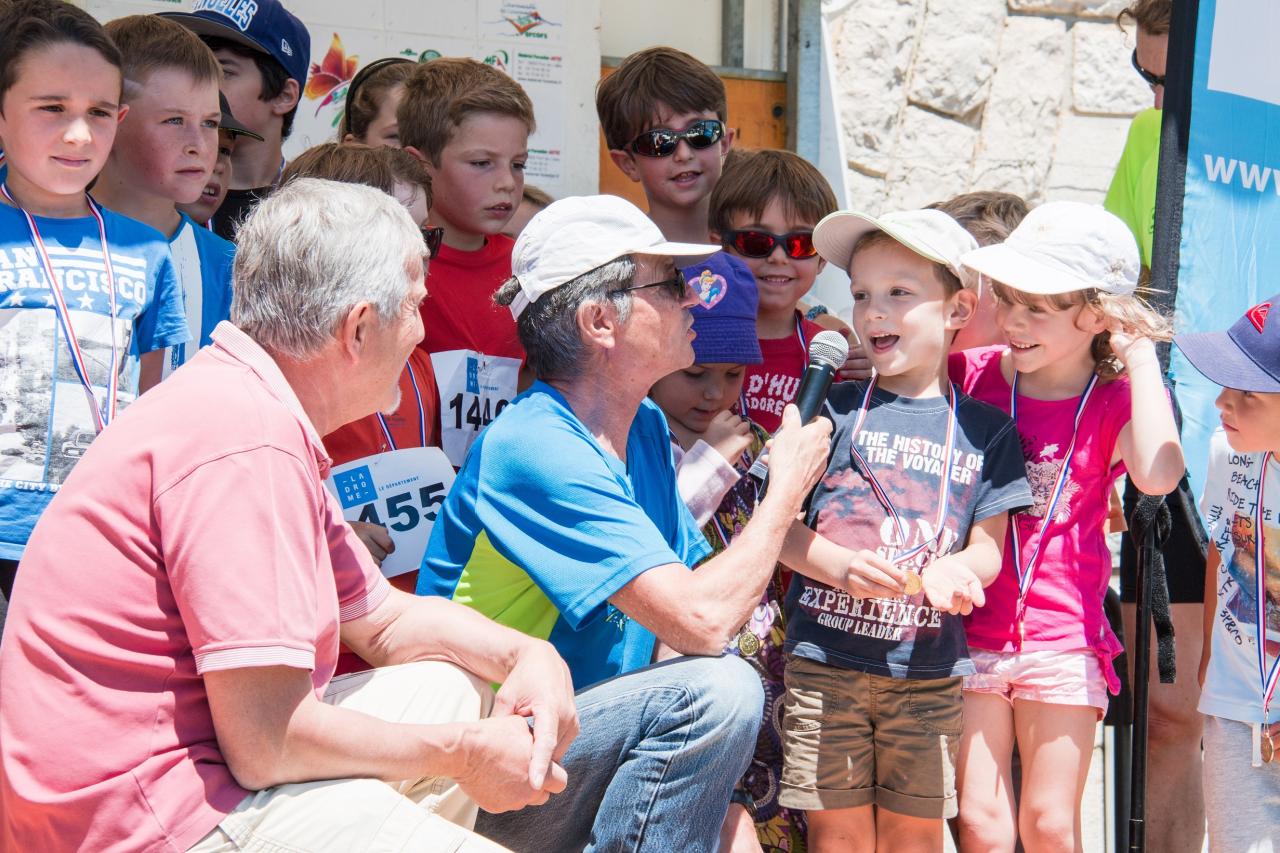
(1149, 515)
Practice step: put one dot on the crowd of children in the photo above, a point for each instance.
(942, 603)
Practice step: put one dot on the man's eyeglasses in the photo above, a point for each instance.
(662, 143)
(760, 244)
(675, 286)
(433, 237)
(1153, 80)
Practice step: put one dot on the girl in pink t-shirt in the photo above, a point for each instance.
(1082, 382)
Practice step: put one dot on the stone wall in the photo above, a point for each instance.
(940, 97)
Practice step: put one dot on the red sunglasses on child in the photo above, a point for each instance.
(760, 244)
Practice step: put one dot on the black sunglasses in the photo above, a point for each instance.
(1153, 80)
(676, 286)
(760, 244)
(662, 143)
(433, 237)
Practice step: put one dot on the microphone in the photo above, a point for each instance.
(827, 351)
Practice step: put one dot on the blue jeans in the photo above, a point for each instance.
(654, 765)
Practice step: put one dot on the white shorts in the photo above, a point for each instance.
(1054, 677)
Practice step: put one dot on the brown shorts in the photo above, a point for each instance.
(852, 739)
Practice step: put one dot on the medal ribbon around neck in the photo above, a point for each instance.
(422, 417)
(944, 492)
(100, 417)
(1268, 677)
(1026, 571)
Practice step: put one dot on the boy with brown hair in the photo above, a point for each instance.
(901, 535)
(163, 156)
(89, 294)
(264, 50)
(663, 114)
(763, 211)
(469, 124)
(215, 191)
(989, 216)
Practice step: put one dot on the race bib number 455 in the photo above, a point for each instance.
(402, 490)
(474, 389)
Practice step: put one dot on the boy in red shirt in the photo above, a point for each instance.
(469, 124)
(663, 114)
(763, 211)
(413, 424)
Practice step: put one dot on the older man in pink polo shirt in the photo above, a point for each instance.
(170, 648)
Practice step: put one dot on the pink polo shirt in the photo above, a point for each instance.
(195, 535)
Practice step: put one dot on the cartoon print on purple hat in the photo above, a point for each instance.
(710, 286)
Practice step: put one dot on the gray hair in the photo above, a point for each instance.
(310, 253)
(548, 328)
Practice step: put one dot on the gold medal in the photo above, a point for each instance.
(912, 583)
(1268, 746)
(748, 643)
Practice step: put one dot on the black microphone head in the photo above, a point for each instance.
(829, 349)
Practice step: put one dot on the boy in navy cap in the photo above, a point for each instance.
(264, 51)
(1239, 667)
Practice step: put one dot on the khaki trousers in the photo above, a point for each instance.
(427, 814)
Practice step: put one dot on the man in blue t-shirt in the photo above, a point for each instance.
(565, 523)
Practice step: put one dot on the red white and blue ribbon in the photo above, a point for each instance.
(103, 412)
(422, 417)
(1026, 571)
(1268, 676)
(804, 344)
(944, 491)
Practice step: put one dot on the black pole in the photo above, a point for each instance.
(1122, 741)
(1175, 129)
(1140, 655)
(1166, 243)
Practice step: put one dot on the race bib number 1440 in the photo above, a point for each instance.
(474, 389)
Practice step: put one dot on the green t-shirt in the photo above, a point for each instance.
(1132, 195)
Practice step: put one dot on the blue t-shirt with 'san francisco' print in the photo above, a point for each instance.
(46, 423)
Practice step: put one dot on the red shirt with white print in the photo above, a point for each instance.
(773, 383)
(474, 349)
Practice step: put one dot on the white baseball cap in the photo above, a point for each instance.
(1062, 247)
(931, 234)
(575, 235)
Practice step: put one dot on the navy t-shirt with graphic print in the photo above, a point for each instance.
(903, 440)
